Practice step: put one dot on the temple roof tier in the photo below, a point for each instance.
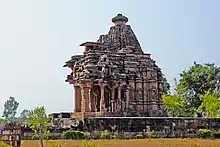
(87, 44)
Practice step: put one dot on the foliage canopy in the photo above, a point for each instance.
(10, 109)
(173, 105)
(210, 104)
(197, 91)
(199, 79)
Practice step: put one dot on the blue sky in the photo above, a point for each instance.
(38, 36)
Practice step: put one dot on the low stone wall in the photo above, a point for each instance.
(162, 126)
(128, 127)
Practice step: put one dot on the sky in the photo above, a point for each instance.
(38, 36)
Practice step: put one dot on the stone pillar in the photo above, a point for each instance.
(83, 101)
(160, 93)
(102, 98)
(119, 97)
(85, 92)
(90, 103)
(132, 89)
(113, 98)
(127, 97)
(77, 98)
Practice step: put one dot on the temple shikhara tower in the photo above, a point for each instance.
(114, 77)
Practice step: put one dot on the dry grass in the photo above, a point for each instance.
(132, 143)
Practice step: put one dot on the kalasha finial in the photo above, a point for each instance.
(120, 17)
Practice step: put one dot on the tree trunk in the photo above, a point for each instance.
(41, 143)
(41, 139)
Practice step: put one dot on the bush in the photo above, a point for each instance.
(47, 135)
(139, 136)
(35, 137)
(113, 137)
(70, 134)
(4, 145)
(87, 135)
(105, 134)
(216, 134)
(205, 133)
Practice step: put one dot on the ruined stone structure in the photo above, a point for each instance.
(11, 134)
(62, 120)
(114, 77)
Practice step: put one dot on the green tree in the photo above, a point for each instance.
(2, 144)
(24, 116)
(38, 121)
(10, 109)
(173, 105)
(195, 82)
(211, 104)
(166, 86)
(2, 121)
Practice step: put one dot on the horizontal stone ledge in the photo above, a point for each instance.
(161, 118)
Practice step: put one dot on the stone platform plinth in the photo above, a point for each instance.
(162, 126)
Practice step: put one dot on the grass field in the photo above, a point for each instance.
(131, 143)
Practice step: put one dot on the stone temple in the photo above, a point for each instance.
(114, 77)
